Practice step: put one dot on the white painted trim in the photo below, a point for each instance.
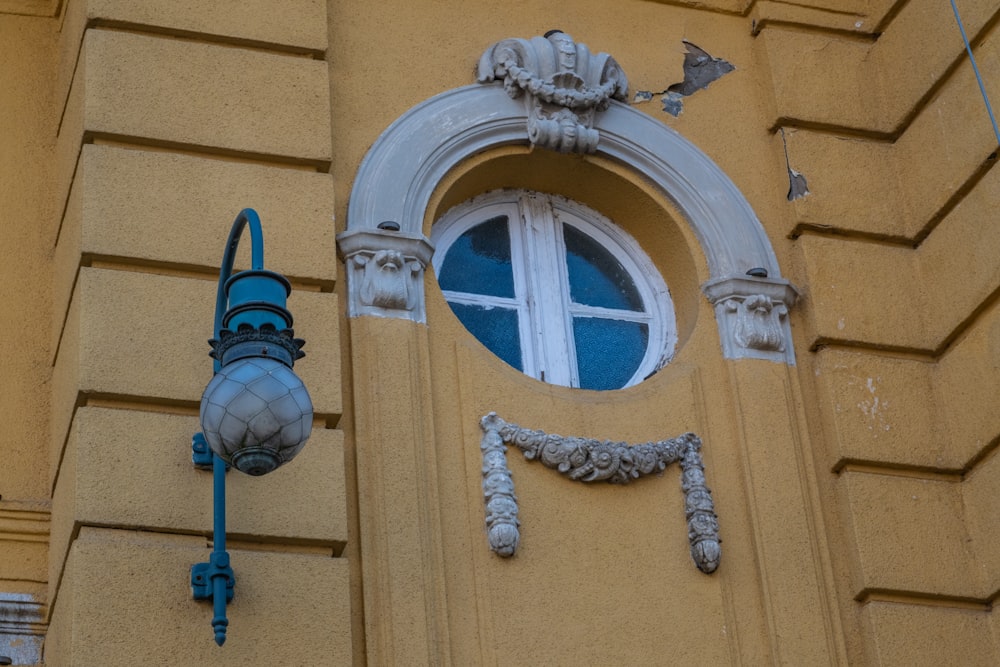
(404, 166)
(541, 281)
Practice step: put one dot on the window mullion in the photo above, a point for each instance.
(520, 260)
(548, 287)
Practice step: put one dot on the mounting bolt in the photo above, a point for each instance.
(389, 226)
(757, 272)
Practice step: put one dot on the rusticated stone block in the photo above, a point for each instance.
(879, 410)
(300, 25)
(216, 98)
(286, 604)
(910, 536)
(915, 634)
(183, 219)
(133, 468)
(143, 336)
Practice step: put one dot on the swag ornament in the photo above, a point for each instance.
(587, 460)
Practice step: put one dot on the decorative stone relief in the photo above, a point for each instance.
(752, 313)
(758, 322)
(385, 272)
(563, 86)
(586, 460)
(405, 165)
(498, 490)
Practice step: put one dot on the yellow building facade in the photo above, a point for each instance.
(812, 181)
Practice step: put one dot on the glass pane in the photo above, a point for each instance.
(478, 262)
(608, 352)
(596, 278)
(496, 328)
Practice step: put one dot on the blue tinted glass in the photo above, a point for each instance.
(608, 352)
(596, 278)
(496, 328)
(479, 261)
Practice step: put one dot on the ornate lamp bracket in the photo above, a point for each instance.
(752, 313)
(385, 271)
(586, 460)
(563, 86)
(255, 412)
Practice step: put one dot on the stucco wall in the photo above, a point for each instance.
(855, 489)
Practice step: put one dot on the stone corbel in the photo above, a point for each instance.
(563, 86)
(385, 272)
(586, 460)
(752, 313)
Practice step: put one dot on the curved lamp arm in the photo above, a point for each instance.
(247, 216)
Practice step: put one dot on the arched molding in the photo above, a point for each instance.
(404, 166)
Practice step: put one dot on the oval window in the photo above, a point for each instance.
(554, 289)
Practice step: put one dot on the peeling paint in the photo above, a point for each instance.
(700, 70)
(797, 186)
(874, 408)
(672, 103)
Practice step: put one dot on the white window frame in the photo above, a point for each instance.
(535, 223)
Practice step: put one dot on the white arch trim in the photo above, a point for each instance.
(404, 166)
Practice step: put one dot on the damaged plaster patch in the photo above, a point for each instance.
(672, 103)
(797, 186)
(700, 70)
(873, 408)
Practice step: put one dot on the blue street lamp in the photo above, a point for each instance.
(255, 412)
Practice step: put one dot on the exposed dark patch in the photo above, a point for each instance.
(797, 186)
(700, 70)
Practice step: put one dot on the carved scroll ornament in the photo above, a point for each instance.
(563, 86)
(586, 460)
